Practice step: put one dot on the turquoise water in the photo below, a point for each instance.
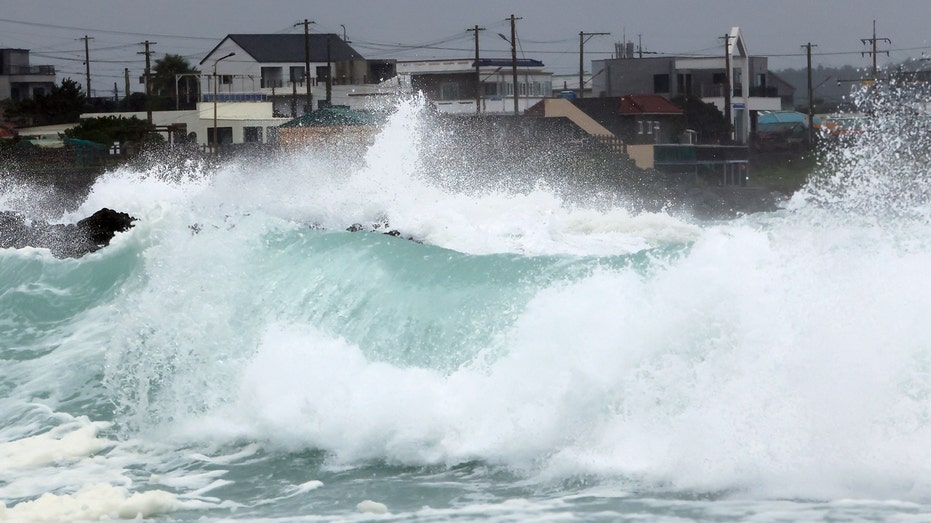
(240, 356)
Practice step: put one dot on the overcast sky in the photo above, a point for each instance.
(422, 29)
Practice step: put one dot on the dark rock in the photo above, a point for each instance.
(101, 226)
(63, 240)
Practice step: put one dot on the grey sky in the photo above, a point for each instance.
(422, 29)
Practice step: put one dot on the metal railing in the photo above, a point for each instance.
(44, 70)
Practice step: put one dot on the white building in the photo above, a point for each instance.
(238, 122)
(452, 85)
(21, 81)
(272, 67)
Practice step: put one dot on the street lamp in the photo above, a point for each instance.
(215, 95)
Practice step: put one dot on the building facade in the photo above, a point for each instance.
(273, 67)
(21, 81)
(746, 87)
(453, 86)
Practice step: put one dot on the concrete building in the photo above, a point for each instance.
(748, 83)
(271, 67)
(237, 122)
(21, 81)
(452, 86)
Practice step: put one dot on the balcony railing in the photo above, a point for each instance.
(22, 70)
(717, 90)
(766, 92)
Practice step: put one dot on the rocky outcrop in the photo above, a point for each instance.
(63, 240)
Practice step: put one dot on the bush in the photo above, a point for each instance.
(109, 129)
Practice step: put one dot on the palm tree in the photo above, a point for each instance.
(163, 78)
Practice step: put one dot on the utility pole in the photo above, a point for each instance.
(478, 74)
(87, 63)
(514, 61)
(310, 100)
(148, 78)
(639, 45)
(811, 110)
(727, 83)
(126, 79)
(582, 41)
(874, 52)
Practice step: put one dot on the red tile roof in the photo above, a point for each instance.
(648, 104)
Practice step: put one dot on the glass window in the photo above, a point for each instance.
(225, 135)
(252, 134)
(449, 91)
(660, 83)
(271, 77)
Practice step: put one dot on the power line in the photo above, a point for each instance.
(108, 31)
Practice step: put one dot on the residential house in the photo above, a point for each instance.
(272, 67)
(636, 118)
(237, 122)
(21, 81)
(453, 86)
(747, 86)
(650, 130)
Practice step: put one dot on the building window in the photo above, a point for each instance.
(639, 126)
(252, 134)
(649, 126)
(225, 135)
(449, 91)
(323, 72)
(271, 77)
(226, 79)
(684, 83)
(296, 74)
(490, 89)
(660, 83)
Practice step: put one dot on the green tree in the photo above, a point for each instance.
(64, 104)
(164, 79)
(109, 129)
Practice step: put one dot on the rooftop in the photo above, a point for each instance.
(647, 104)
(290, 48)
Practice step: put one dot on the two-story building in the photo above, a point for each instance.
(747, 86)
(21, 81)
(273, 67)
(454, 87)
